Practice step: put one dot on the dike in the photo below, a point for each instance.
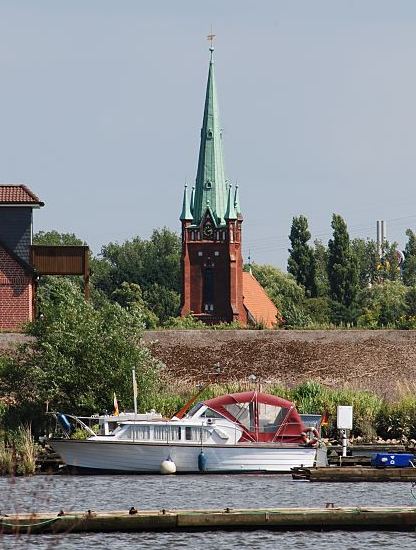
(383, 361)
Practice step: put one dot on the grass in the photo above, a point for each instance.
(374, 416)
(18, 452)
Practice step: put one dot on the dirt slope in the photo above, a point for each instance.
(378, 360)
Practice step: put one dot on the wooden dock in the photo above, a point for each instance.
(299, 519)
(354, 473)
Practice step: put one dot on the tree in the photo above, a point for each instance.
(301, 262)
(365, 251)
(80, 356)
(153, 264)
(342, 264)
(321, 268)
(54, 238)
(409, 264)
(383, 304)
(284, 292)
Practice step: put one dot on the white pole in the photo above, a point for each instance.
(134, 391)
(344, 443)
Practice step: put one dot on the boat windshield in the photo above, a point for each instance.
(194, 409)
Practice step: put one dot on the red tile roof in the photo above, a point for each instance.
(259, 306)
(18, 194)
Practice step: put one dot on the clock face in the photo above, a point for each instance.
(208, 231)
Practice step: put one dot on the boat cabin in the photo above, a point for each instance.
(247, 417)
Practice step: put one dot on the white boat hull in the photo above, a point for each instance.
(139, 457)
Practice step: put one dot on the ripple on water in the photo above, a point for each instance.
(52, 493)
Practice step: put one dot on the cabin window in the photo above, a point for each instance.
(209, 413)
(195, 433)
(243, 412)
(166, 433)
(139, 432)
(159, 432)
(270, 417)
(174, 433)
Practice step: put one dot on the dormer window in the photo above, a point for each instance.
(209, 134)
(208, 184)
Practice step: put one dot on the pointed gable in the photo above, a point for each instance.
(258, 305)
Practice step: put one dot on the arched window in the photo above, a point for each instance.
(208, 294)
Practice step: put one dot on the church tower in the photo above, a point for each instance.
(212, 264)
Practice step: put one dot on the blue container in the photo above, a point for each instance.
(391, 460)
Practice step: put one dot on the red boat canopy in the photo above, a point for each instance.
(262, 417)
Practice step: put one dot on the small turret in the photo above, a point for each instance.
(237, 201)
(186, 214)
(230, 213)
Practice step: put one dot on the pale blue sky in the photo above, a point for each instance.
(101, 108)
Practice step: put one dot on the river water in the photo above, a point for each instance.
(79, 493)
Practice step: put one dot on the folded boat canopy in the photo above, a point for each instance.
(262, 417)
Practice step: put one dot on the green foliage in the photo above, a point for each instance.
(185, 322)
(383, 304)
(80, 357)
(388, 268)
(282, 289)
(409, 264)
(342, 264)
(365, 252)
(321, 269)
(318, 310)
(152, 264)
(162, 301)
(301, 262)
(54, 238)
(129, 296)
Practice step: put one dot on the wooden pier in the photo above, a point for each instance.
(299, 519)
(354, 473)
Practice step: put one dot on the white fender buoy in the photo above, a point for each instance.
(167, 467)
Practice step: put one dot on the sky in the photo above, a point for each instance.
(101, 106)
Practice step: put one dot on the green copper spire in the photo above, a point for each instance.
(186, 214)
(230, 213)
(210, 185)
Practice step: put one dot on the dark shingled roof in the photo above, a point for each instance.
(18, 194)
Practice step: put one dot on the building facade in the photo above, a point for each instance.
(17, 276)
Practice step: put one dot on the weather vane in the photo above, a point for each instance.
(211, 37)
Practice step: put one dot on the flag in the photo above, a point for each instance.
(325, 419)
(116, 412)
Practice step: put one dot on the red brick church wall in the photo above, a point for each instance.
(16, 292)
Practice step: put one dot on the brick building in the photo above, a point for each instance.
(17, 277)
(214, 287)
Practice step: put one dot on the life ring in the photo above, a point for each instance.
(310, 441)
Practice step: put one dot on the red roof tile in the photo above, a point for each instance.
(257, 303)
(18, 194)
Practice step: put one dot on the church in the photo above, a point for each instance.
(215, 288)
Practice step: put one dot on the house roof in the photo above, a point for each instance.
(18, 194)
(259, 306)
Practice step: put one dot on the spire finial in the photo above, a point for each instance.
(211, 37)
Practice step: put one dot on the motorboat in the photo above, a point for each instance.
(240, 432)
